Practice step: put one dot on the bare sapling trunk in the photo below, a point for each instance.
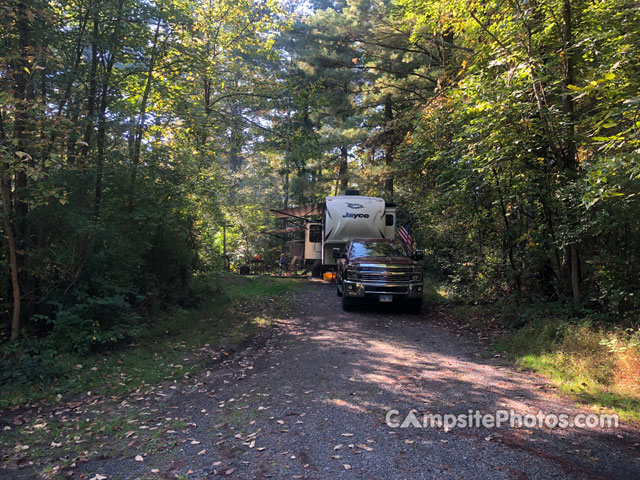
(5, 187)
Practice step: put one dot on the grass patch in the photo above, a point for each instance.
(597, 365)
(63, 439)
(161, 351)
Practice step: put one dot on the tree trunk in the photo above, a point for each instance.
(508, 242)
(13, 258)
(48, 145)
(139, 127)
(5, 192)
(343, 168)
(570, 162)
(100, 141)
(235, 157)
(388, 153)
(93, 88)
(568, 102)
(102, 113)
(575, 274)
(21, 127)
(24, 129)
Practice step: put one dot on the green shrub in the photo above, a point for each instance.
(27, 362)
(92, 322)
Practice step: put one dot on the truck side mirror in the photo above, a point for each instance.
(336, 253)
(418, 255)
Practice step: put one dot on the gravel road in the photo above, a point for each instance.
(307, 398)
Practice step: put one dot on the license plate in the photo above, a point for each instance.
(386, 298)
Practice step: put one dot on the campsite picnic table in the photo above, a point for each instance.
(258, 266)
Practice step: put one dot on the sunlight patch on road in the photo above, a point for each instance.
(393, 352)
(344, 404)
(378, 379)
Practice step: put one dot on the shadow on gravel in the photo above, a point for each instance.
(389, 359)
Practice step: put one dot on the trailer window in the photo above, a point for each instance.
(389, 220)
(315, 233)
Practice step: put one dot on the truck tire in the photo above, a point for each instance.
(316, 272)
(414, 306)
(347, 303)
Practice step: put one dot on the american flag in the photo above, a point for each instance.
(404, 234)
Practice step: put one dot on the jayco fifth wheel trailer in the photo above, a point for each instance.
(337, 220)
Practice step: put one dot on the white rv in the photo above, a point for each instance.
(339, 219)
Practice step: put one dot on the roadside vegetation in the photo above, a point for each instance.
(230, 308)
(585, 354)
(596, 363)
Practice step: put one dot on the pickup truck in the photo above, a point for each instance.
(379, 270)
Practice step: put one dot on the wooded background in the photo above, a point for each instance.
(132, 131)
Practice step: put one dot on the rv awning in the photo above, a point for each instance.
(299, 212)
(283, 230)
